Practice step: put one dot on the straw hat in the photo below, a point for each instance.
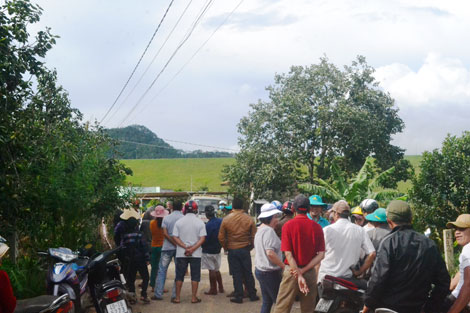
(128, 213)
(159, 212)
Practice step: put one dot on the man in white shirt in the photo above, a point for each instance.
(344, 242)
(189, 234)
(461, 292)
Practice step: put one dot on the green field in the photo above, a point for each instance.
(177, 174)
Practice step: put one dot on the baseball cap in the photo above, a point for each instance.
(399, 211)
(462, 221)
(379, 215)
(316, 200)
(268, 209)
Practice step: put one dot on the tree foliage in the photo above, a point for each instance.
(319, 113)
(441, 191)
(56, 177)
(368, 183)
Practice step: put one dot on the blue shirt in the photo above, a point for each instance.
(321, 221)
(212, 245)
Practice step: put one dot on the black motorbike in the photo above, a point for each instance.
(340, 296)
(106, 284)
(46, 304)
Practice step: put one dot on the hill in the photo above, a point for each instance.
(139, 142)
(177, 174)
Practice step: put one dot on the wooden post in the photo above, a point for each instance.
(449, 249)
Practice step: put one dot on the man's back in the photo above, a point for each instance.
(189, 229)
(237, 230)
(344, 242)
(407, 264)
(169, 223)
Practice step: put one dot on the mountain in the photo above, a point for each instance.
(139, 142)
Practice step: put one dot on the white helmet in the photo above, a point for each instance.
(277, 204)
(222, 204)
(368, 206)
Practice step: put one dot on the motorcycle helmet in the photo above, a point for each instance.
(222, 204)
(288, 207)
(190, 207)
(369, 206)
(277, 204)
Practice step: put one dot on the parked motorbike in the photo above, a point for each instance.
(340, 296)
(67, 274)
(106, 284)
(45, 304)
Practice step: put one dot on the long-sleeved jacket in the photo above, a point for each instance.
(406, 267)
(237, 231)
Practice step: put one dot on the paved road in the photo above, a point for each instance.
(210, 304)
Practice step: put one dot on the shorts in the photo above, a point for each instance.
(211, 261)
(182, 266)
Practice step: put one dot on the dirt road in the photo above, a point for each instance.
(210, 304)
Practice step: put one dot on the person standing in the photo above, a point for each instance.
(460, 297)
(237, 234)
(304, 247)
(7, 298)
(157, 241)
(211, 247)
(287, 215)
(268, 258)
(378, 219)
(344, 243)
(168, 250)
(134, 252)
(189, 234)
(409, 274)
(316, 210)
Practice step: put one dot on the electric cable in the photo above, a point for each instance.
(137, 65)
(185, 39)
(153, 60)
(183, 142)
(195, 53)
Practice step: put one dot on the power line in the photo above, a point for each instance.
(185, 39)
(153, 60)
(137, 65)
(164, 147)
(195, 53)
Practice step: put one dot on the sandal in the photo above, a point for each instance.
(197, 300)
(145, 300)
(175, 301)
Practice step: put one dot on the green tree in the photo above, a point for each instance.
(318, 113)
(441, 191)
(57, 179)
(368, 183)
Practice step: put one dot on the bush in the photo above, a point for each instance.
(28, 277)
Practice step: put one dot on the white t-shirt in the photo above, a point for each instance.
(464, 261)
(189, 229)
(344, 242)
(266, 239)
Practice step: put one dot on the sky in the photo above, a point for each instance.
(419, 49)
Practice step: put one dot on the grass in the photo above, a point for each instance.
(177, 174)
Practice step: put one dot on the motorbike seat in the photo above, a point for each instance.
(111, 284)
(343, 282)
(34, 305)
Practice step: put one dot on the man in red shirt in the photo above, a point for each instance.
(304, 246)
(7, 299)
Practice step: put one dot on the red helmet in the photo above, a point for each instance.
(288, 207)
(190, 207)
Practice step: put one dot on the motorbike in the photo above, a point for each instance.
(107, 285)
(67, 274)
(340, 296)
(45, 304)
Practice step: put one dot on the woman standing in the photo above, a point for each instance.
(268, 264)
(157, 241)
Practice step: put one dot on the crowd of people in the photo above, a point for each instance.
(297, 245)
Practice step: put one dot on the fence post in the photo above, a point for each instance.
(449, 249)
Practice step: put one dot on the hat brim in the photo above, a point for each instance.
(457, 225)
(163, 214)
(318, 204)
(269, 213)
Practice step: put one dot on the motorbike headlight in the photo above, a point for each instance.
(66, 257)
